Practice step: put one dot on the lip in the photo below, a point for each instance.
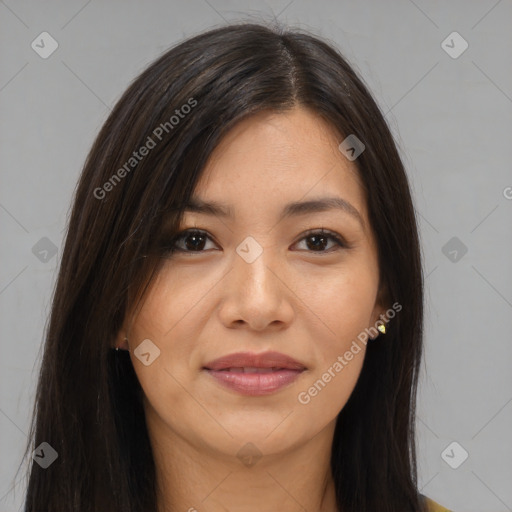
(264, 373)
(251, 360)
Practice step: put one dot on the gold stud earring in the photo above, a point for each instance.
(382, 328)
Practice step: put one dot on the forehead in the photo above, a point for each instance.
(270, 158)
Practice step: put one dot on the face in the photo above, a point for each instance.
(256, 281)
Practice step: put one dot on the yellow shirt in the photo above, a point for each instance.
(435, 507)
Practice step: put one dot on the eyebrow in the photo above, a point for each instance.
(321, 204)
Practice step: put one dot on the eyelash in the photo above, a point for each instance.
(339, 241)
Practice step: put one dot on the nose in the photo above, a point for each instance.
(256, 294)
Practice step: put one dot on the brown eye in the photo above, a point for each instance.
(318, 240)
(193, 241)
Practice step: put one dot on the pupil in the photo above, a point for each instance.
(316, 237)
(193, 246)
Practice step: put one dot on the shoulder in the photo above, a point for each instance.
(432, 506)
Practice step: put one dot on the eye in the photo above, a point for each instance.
(319, 239)
(194, 241)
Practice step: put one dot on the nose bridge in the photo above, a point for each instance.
(254, 262)
(255, 294)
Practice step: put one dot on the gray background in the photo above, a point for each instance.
(451, 117)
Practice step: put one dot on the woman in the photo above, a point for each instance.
(237, 322)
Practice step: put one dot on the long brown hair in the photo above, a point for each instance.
(88, 403)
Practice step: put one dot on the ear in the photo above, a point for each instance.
(381, 305)
(121, 341)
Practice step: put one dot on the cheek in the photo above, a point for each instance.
(165, 381)
(342, 307)
(169, 304)
(158, 320)
(339, 353)
(342, 300)
(327, 391)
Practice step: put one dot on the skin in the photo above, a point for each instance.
(305, 299)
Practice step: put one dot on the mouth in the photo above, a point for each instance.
(249, 362)
(255, 374)
(251, 369)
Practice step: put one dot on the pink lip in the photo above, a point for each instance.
(229, 371)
